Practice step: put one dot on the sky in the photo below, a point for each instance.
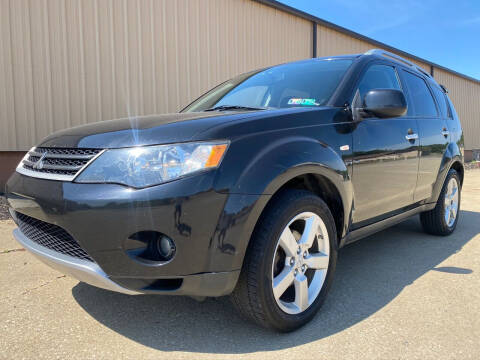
(444, 32)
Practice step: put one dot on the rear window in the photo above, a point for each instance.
(420, 96)
(451, 108)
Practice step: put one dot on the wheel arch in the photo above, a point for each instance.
(333, 188)
(452, 159)
(291, 163)
(321, 186)
(458, 167)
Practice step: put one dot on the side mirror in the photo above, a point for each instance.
(385, 103)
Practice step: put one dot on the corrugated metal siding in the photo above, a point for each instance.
(465, 95)
(68, 62)
(331, 42)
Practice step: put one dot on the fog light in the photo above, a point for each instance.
(150, 247)
(166, 247)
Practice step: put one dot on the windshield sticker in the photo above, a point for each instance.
(307, 102)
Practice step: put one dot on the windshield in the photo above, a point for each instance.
(309, 83)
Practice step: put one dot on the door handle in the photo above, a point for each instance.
(445, 132)
(411, 137)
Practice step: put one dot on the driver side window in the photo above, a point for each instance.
(378, 77)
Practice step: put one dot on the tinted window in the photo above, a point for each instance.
(378, 77)
(309, 83)
(423, 104)
(442, 102)
(449, 106)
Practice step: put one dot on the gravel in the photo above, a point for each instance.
(472, 165)
(4, 214)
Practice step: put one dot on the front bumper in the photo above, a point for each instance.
(207, 284)
(100, 217)
(83, 270)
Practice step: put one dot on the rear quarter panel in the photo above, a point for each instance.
(453, 154)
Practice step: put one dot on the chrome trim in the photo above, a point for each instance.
(88, 163)
(410, 137)
(46, 176)
(59, 156)
(82, 270)
(52, 167)
(58, 177)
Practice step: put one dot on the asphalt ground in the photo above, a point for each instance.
(399, 294)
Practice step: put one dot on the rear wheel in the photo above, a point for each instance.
(443, 219)
(290, 262)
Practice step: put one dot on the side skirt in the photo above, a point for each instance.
(383, 224)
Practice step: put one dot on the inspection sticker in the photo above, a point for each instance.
(307, 102)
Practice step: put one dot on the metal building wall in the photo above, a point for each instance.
(69, 62)
(465, 95)
(332, 42)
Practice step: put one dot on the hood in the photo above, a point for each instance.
(182, 127)
(139, 130)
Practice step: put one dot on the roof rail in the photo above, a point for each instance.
(393, 56)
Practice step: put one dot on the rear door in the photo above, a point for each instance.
(385, 154)
(430, 110)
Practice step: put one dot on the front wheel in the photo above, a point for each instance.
(289, 263)
(443, 219)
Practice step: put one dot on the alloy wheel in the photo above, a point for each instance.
(451, 202)
(300, 263)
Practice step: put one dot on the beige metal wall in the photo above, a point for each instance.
(332, 42)
(69, 62)
(465, 95)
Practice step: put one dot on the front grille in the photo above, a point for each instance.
(56, 163)
(50, 236)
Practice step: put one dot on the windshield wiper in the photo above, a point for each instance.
(234, 107)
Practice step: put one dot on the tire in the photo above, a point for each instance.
(254, 295)
(435, 221)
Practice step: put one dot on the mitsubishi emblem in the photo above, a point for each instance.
(39, 164)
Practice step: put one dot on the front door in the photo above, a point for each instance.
(385, 163)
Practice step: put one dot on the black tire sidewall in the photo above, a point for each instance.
(287, 322)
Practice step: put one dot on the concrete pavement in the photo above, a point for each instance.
(399, 294)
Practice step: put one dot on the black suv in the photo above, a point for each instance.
(251, 189)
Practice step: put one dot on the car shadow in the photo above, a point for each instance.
(370, 274)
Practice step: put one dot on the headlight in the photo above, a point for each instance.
(140, 167)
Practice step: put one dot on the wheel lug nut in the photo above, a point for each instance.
(299, 250)
(295, 272)
(292, 261)
(305, 255)
(304, 267)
